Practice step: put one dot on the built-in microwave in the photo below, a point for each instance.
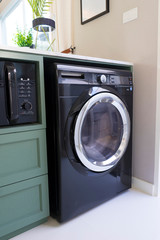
(18, 93)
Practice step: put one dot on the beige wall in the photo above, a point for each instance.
(135, 41)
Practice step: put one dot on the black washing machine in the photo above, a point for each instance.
(89, 122)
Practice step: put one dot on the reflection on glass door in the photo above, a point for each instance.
(102, 132)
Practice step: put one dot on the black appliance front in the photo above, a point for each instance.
(89, 115)
(18, 93)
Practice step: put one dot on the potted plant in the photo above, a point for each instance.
(23, 38)
(40, 23)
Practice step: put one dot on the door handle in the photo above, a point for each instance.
(11, 92)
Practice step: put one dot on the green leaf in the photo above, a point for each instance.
(39, 7)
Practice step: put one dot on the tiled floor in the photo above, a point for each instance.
(130, 216)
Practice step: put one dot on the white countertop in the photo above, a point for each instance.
(64, 55)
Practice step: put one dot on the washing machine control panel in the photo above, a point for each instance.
(112, 79)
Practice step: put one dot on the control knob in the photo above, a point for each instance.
(27, 106)
(102, 78)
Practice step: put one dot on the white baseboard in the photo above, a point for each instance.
(143, 186)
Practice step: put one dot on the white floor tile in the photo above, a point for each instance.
(130, 216)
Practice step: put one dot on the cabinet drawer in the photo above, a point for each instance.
(23, 204)
(22, 156)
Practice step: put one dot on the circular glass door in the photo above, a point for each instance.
(102, 132)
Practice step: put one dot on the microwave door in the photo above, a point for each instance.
(11, 93)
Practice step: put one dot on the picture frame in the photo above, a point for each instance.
(91, 10)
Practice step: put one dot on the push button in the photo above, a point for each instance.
(27, 106)
(102, 78)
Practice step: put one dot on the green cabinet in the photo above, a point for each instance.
(23, 164)
(22, 204)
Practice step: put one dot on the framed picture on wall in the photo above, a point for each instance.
(91, 10)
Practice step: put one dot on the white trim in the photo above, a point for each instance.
(143, 186)
(9, 8)
(64, 55)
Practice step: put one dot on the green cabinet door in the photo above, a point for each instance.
(22, 156)
(23, 204)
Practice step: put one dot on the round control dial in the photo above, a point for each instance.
(102, 78)
(27, 106)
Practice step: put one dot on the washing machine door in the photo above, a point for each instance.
(102, 132)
